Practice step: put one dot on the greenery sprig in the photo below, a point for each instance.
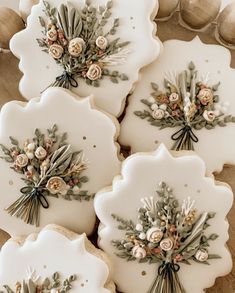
(33, 284)
(168, 233)
(79, 41)
(49, 168)
(188, 103)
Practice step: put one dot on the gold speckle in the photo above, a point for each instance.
(131, 17)
(82, 285)
(44, 266)
(84, 138)
(143, 273)
(11, 182)
(133, 27)
(198, 191)
(207, 61)
(185, 185)
(47, 67)
(218, 71)
(86, 281)
(94, 146)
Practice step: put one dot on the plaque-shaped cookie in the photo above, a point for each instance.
(56, 153)
(55, 260)
(187, 103)
(172, 229)
(90, 47)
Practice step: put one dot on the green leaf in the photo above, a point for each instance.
(114, 79)
(124, 77)
(154, 86)
(42, 22)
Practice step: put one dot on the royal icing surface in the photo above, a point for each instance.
(148, 237)
(38, 257)
(110, 72)
(168, 100)
(59, 181)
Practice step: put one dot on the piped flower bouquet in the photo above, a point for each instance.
(33, 284)
(78, 41)
(48, 167)
(188, 104)
(168, 234)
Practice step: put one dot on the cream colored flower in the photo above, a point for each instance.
(174, 97)
(205, 96)
(31, 146)
(101, 42)
(94, 72)
(52, 35)
(57, 185)
(30, 155)
(201, 255)
(139, 227)
(40, 153)
(76, 47)
(158, 114)
(76, 189)
(138, 252)
(166, 244)
(56, 51)
(21, 161)
(154, 235)
(142, 236)
(209, 115)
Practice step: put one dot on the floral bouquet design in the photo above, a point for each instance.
(48, 167)
(33, 284)
(167, 234)
(78, 41)
(189, 104)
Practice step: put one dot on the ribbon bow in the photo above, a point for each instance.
(66, 80)
(184, 138)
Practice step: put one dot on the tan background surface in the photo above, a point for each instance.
(9, 79)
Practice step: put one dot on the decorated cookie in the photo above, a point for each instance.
(35, 264)
(56, 152)
(171, 230)
(185, 102)
(90, 47)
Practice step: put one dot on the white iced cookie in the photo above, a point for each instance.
(161, 215)
(55, 260)
(186, 102)
(57, 152)
(91, 47)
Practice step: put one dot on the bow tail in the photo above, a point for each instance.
(184, 139)
(27, 207)
(167, 281)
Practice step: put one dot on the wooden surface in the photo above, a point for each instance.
(10, 76)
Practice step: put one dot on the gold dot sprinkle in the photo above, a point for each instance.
(143, 273)
(82, 285)
(84, 138)
(11, 182)
(185, 185)
(94, 146)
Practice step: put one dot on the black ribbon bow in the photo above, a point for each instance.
(66, 80)
(27, 207)
(184, 139)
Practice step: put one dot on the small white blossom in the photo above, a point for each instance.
(139, 227)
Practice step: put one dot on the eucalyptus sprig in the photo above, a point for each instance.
(32, 285)
(82, 44)
(49, 167)
(188, 104)
(167, 233)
